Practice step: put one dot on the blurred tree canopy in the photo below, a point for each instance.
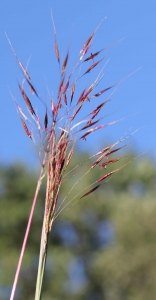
(101, 247)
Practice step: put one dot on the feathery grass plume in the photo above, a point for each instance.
(58, 133)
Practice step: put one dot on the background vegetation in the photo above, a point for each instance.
(102, 247)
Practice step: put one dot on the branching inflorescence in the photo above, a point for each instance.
(60, 130)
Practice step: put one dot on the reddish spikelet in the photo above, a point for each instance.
(84, 52)
(59, 105)
(87, 42)
(69, 157)
(76, 112)
(106, 175)
(90, 191)
(27, 132)
(27, 101)
(32, 89)
(96, 111)
(115, 150)
(64, 89)
(46, 121)
(92, 67)
(61, 86)
(111, 161)
(84, 95)
(104, 153)
(61, 153)
(56, 48)
(101, 92)
(54, 109)
(106, 149)
(92, 130)
(81, 96)
(90, 124)
(23, 70)
(50, 189)
(65, 98)
(98, 108)
(72, 91)
(88, 92)
(93, 55)
(65, 63)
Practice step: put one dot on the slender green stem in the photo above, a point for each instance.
(42, 262)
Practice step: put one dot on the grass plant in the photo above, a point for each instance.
(64, 124)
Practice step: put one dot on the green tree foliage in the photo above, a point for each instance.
(101, 247)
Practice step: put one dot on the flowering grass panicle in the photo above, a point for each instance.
(59, 131)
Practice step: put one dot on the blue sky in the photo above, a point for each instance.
(29, 27)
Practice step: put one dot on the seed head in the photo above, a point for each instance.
(60, 129)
